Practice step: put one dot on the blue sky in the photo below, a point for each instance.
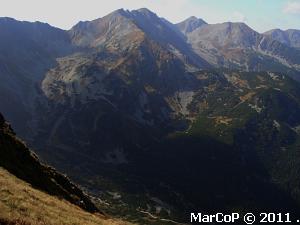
(261, 15)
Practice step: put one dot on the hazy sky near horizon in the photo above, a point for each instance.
(261, 15)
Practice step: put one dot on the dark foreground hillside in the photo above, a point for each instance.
(32, 193)
(20, 161)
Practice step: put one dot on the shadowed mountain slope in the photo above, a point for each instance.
(20, 161)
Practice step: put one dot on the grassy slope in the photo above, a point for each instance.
(22, 204)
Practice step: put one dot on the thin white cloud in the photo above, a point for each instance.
(238, 17)
(292, 7)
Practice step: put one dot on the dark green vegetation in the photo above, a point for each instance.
(156, 120)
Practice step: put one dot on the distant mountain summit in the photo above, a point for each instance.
(190, 24)
(233, 35)
(289, 37)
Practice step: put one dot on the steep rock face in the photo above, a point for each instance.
(20, 161)
(289, 37)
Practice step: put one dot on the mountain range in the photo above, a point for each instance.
(156, 119)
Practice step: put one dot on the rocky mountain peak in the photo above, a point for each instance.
(289, 37)
(277, 34)
(274, 31)
(7, 20)
(238, 27)
(226, 34)
(190, 24)
(111, 28)
(145, 12)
